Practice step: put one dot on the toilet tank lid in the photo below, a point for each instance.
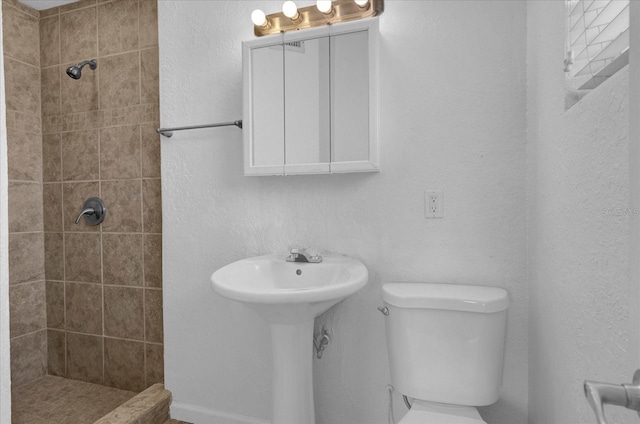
(446, 296)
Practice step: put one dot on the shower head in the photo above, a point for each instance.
(75, 71)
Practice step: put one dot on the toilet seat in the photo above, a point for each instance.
(423, 412)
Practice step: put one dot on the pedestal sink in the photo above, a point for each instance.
(289, 295)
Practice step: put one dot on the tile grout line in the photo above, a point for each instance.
(41, 182)
(61, 193)
(144, 284)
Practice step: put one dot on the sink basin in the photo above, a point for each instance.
(282, 291)
(289, 295)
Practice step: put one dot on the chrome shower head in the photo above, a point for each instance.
(75, 71)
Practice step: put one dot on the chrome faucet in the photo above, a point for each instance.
(302, 254)
(627, 395)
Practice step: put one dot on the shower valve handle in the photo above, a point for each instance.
(93, 211)
(627, 395)
(87, 211)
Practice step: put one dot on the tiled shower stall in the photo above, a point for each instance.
(85, 301)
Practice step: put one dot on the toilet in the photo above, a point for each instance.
(446, 348)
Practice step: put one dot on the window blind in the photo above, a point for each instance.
(597, 41)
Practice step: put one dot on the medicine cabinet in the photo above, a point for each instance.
(311, 101)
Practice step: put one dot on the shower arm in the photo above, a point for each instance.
(627, 395)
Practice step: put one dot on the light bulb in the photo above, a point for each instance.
(362, 3)
(290, 9)
(259, 18)
(324, 6)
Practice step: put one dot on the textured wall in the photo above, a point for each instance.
(578, 177)
(104, 297)
(452, 117)
(26, 237)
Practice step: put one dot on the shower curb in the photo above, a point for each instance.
(149, 407)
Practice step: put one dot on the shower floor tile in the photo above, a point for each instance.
(56, 400)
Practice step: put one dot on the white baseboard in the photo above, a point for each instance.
(198, 415)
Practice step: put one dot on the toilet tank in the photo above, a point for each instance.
(446, 341)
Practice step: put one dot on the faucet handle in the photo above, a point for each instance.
(93, 211)
(627, 395)
(293, 254)
(303, 254)
(85, 211)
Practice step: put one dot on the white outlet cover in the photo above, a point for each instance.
(433, 203)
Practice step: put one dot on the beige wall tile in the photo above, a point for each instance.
(152, 205)
(51, 158)
(74, 195)
(50, 40)
(79, 121)
(80, 156)
(122, 256)
(21, 34)
(123, 199)
(22, 86)
(85, 358)
(117, 27)
(153, 315)
(148, 23)
(78, 39)
(25, 206)
(124, 364)
(52, 206)
(26, 257)
(150, 150)
(22, 7)
(54, 256)
(51, 124)
(82, 257)
(83, 307)
(27, 305)
(50, 80)
(149, 75)
(28, 357)
(123, 312)
(77, 5)
(153, 260)
(79, 95)
(23, 121)
(155, 364)
(56, 353)
(62, 37)
(24, 151)
(120, 152)
(55, 304)
(47, 13)
(120, 80)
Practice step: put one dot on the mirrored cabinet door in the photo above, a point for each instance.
(350, 97)
(354, 93)
(265, 101)
(307, 141)
(310, 101)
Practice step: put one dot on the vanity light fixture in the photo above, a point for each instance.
(259, 18)
(325, 12)
(325, 6)
(290, 10)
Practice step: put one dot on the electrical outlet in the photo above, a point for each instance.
(433, 203)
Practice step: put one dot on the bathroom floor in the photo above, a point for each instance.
(56, 400)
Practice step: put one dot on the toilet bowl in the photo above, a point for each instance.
(446, 348)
